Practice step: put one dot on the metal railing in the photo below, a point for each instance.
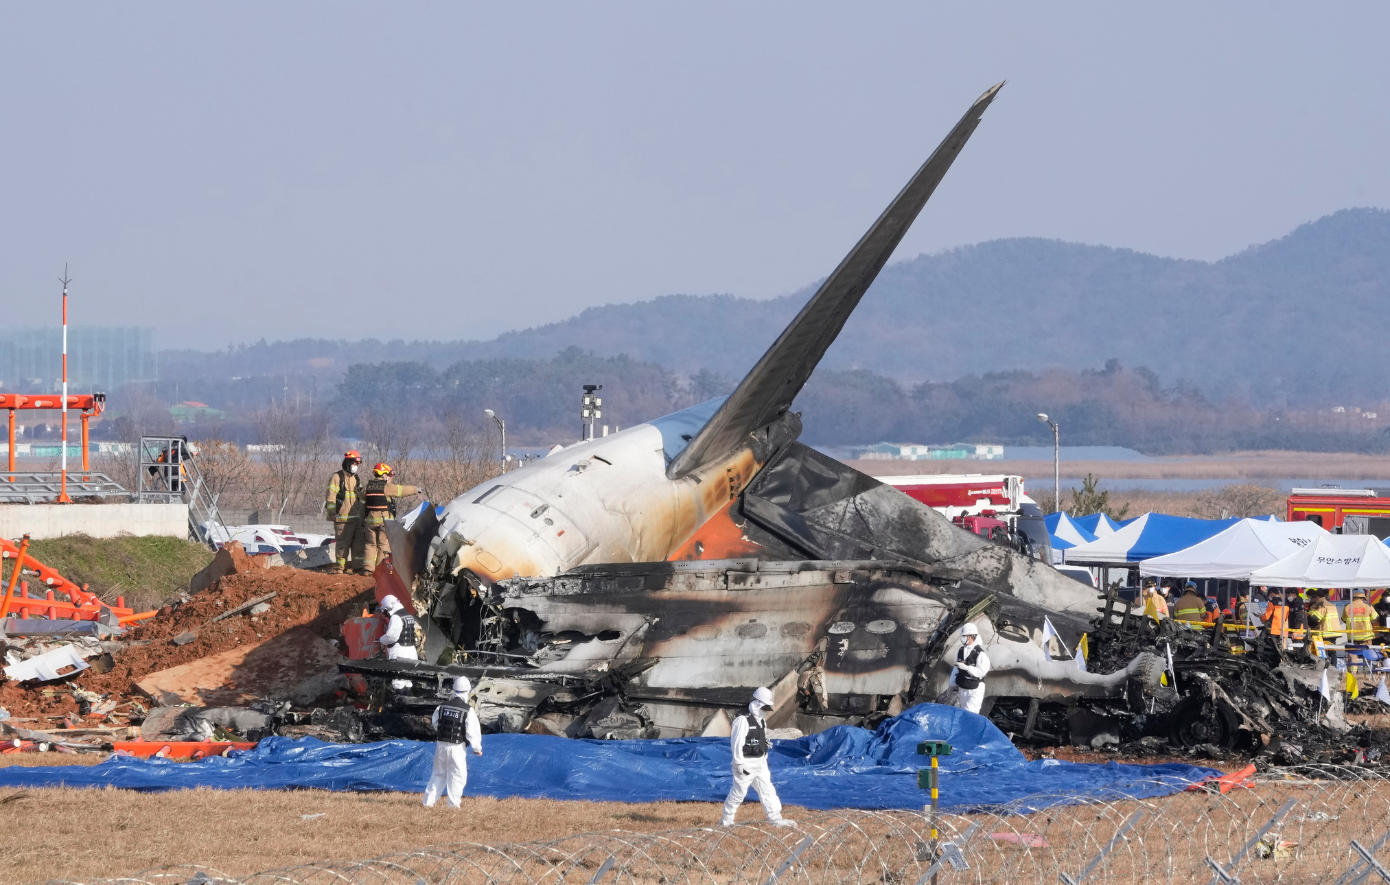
(44, 486)
(167, 473)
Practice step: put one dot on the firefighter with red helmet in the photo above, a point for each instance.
(345, 510)
(379, 503)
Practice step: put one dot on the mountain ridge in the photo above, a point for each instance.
(1293, 320)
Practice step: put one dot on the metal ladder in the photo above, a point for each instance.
(167, 473)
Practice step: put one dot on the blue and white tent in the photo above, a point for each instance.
(1153, 534)
(1099, 524)
(1065, 532)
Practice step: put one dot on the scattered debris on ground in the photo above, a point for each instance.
(1224, 700)
(255, 639)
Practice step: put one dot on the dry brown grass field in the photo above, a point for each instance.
(71, 834)
(107, 833)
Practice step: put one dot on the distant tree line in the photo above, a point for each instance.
(401, 405)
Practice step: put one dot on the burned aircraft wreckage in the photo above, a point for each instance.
(642, 584)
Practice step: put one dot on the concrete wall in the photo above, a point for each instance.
(97, 520)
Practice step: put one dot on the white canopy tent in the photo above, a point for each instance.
(1237, 551)
(1347, 561)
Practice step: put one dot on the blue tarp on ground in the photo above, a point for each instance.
(844, 767)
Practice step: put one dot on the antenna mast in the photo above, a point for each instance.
(63, 492)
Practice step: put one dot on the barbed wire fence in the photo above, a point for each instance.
(1323, 824)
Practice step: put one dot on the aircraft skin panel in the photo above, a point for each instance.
(718, 627)
(604, 500)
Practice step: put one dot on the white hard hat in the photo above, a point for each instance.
(969, 630)
(390, 603)
(462, 685)
(762, 696)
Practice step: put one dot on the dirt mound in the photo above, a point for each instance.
(303, 599)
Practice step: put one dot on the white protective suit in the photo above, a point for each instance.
(450, 772)
(750, 771)
(395, 649)
(970, 698)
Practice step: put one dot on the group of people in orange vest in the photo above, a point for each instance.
(1291, 613)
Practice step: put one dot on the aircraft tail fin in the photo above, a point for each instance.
(768, 390)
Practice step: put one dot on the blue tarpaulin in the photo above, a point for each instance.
(843, 767)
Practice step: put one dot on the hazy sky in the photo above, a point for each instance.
(226, 172)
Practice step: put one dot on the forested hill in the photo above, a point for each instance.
(1303, 318)
(1296, 320)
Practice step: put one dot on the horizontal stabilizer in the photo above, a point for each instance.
(768, 390)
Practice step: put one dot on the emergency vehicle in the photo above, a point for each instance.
(969, 494)
(1330, 508)
(991, 505)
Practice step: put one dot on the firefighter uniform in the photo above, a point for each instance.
(379, 504)
(1361, 618)
(1329, 622)
(1190, 607)
(344, 507)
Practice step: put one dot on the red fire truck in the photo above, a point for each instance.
(1331, 508)
(970, 494)
(992, 505)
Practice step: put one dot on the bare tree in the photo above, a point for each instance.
(459, 458)
(388, 438)
(1238, 500)
(1045, 500)
(228, 472)
(296, 456)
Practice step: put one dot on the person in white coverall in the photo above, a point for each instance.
(399, 638)
(972, 665)
(749, 743)
(456, 724)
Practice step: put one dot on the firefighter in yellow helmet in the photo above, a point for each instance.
(344, 509)
(1361, 618)
(379, 500)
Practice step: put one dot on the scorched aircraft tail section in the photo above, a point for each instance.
(638, 495)
(559, 576)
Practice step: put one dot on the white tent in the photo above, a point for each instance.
(1347, 561)
(1236, 552)
(1099, 524)
(1150, 535)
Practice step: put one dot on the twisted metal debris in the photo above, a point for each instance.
(1284, 825)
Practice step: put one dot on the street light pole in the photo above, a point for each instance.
(1056, 462)
(501, 425)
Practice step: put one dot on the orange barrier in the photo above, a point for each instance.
(16, 574)
(179, 749)
(81, 605)
(1226, 782)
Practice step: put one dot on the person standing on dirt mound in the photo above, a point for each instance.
(379, 502)
(344, 508)
(458, 728)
